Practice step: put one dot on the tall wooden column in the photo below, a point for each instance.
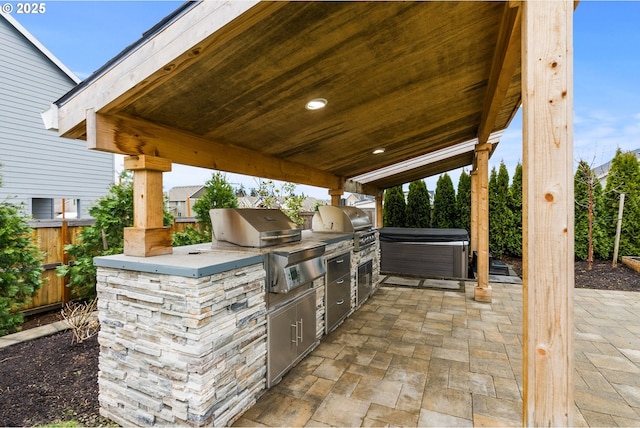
(474, 212)
(548, 209)
(379, 208)
(482, 292)
(147, 237)
(336, 194)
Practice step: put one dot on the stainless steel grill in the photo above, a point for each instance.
(250, 227)
(345, 219)
(330, 218)
(289, 263)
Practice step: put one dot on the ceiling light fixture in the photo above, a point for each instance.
(316, 104)
(378, 151)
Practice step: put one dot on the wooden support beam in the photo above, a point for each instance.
(336, 194)
(482, 292)
(505, 63)
(129, 136)
(147, 237)
(548, 210)
(474, 213)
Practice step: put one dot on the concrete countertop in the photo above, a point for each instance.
(206, 259)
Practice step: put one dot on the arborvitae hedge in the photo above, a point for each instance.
(624, 177)
(444, 203)
(463, 202)
(418, 205)
(500, 218)
(394, 212)
(514, 245)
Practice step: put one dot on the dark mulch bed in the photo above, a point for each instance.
(49, 379)
(52, 379)
(601, 276)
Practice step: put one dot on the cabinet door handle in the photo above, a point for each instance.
(301, 331)
(339, 302)
(294, 336)
(340, 281)
(340, 261)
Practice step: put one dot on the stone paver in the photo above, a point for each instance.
(427, 357)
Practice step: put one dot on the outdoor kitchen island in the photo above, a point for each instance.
(184, 336)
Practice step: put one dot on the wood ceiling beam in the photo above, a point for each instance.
(158, 59)
(505, 62)
(131, 136)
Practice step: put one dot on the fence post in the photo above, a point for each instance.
(64, 240)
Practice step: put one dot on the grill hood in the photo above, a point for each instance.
(345, 219)
(251, 227)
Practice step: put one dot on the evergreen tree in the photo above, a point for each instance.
(444, 203)
(590, 237)
(20, 266)
(500, 221)
(514, 245)
(218, 194)
(418, 205)
(463, 202)
(624, 177)
(394, 210)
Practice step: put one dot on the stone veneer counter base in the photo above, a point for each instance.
(183, 337)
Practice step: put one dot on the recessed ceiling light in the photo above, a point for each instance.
(378, 151)
(316, 104)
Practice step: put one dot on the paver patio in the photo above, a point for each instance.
(433, 357)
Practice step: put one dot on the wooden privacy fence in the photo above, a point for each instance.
(51, 236)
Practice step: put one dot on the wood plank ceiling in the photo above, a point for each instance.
(409, 77)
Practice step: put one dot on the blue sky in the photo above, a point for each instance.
(86, 34)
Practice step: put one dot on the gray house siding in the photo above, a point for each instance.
(36, 163)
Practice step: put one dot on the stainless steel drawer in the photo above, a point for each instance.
(336, 312)
(339, 288)
(338, 267)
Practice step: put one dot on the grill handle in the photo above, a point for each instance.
(275, 237)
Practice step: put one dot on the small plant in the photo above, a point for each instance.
(81, 320)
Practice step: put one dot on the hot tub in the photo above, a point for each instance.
(440, 253)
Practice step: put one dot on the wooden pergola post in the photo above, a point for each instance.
(482, 292)
(474, 212)
(548, 210)
(336, 194)
(379, 208)
(148, 236)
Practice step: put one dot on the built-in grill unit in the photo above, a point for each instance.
(345, 219)
(289, 263)
(252, 227)
(291, 266)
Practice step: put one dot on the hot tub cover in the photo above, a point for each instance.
(406, 234)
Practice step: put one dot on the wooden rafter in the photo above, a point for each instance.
(505, 63)
(130, 136)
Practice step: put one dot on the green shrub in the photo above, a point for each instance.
(190, 236)
(20, 267)
(218, 194)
